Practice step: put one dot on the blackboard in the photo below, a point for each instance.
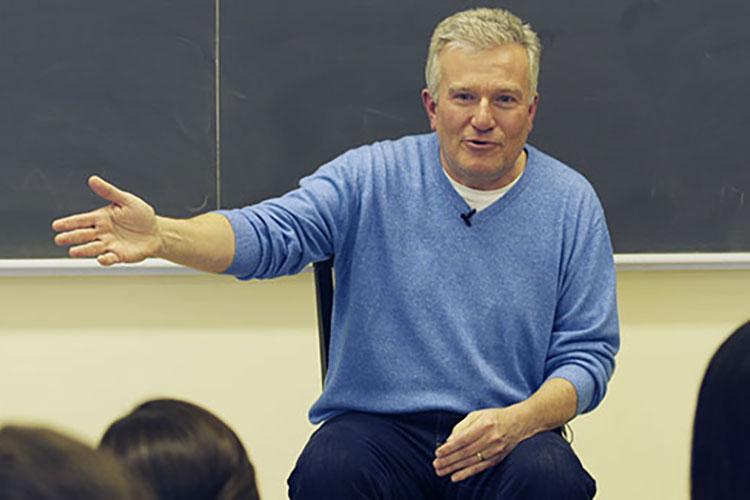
(121, 88)
(201, 104)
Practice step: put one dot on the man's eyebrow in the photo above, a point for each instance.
(510, 87)
(505, 88)
(460, 88)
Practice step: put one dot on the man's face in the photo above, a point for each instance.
(483, 114)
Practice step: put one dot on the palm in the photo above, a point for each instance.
(132, 230)
(123, 231)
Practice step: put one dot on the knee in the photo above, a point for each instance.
(545, 466)
(334, 465)
(315, 466)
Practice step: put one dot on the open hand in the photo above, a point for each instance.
(126, 230)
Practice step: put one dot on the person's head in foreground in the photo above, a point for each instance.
(720, 466)
(182, 451)
(42, 464)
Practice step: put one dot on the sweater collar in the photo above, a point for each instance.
(446, 189)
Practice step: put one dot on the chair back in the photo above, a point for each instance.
(324, 298)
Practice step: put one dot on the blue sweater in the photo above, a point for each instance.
(429, 313)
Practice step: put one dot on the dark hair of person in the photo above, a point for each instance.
(37, 463)
(720, 462)
(182, 451)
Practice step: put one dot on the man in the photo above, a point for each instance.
(475, 292)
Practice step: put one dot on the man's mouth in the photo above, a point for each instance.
(479, 143)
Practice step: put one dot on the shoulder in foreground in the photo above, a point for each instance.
(414, 143)
(552, 168)
(392, 153)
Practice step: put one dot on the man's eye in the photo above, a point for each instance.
(506, 100)
(463, 96)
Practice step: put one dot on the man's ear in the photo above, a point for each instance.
(532, 110)
(430, 106)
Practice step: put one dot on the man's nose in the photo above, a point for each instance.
(483, 119)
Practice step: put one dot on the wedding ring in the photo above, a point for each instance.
(480, 456)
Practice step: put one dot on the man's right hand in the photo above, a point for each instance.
(126, 230)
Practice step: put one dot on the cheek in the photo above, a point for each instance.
(453, 123)
(448, 115)
(434, 121)
(517, 126)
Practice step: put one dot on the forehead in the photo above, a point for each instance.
(504, 65)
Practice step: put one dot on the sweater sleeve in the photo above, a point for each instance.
(586, 330)
(282, 235)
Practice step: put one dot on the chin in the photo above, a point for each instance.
(484, 171)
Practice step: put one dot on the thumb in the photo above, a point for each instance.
(107, 191)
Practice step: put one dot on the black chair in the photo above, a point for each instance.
(324, 298)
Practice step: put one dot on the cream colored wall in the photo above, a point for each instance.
(637, 443)
(79, 352)
(76, 352)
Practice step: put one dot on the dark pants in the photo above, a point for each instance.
(365, 456)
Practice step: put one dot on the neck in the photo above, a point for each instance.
(518, 167)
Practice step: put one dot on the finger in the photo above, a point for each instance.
(107, 191)
(92, 249)
(77, 221)
(75, 237)
(461, 437)
(489, 457)
(475, 469)
(456, 444)
(108, 258)
(444, 468)
(480, 451)
(464, 458)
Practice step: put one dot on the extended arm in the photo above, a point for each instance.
(128, 230)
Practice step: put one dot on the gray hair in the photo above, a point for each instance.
(482, 28)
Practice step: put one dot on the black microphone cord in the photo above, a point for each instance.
(467, 216)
